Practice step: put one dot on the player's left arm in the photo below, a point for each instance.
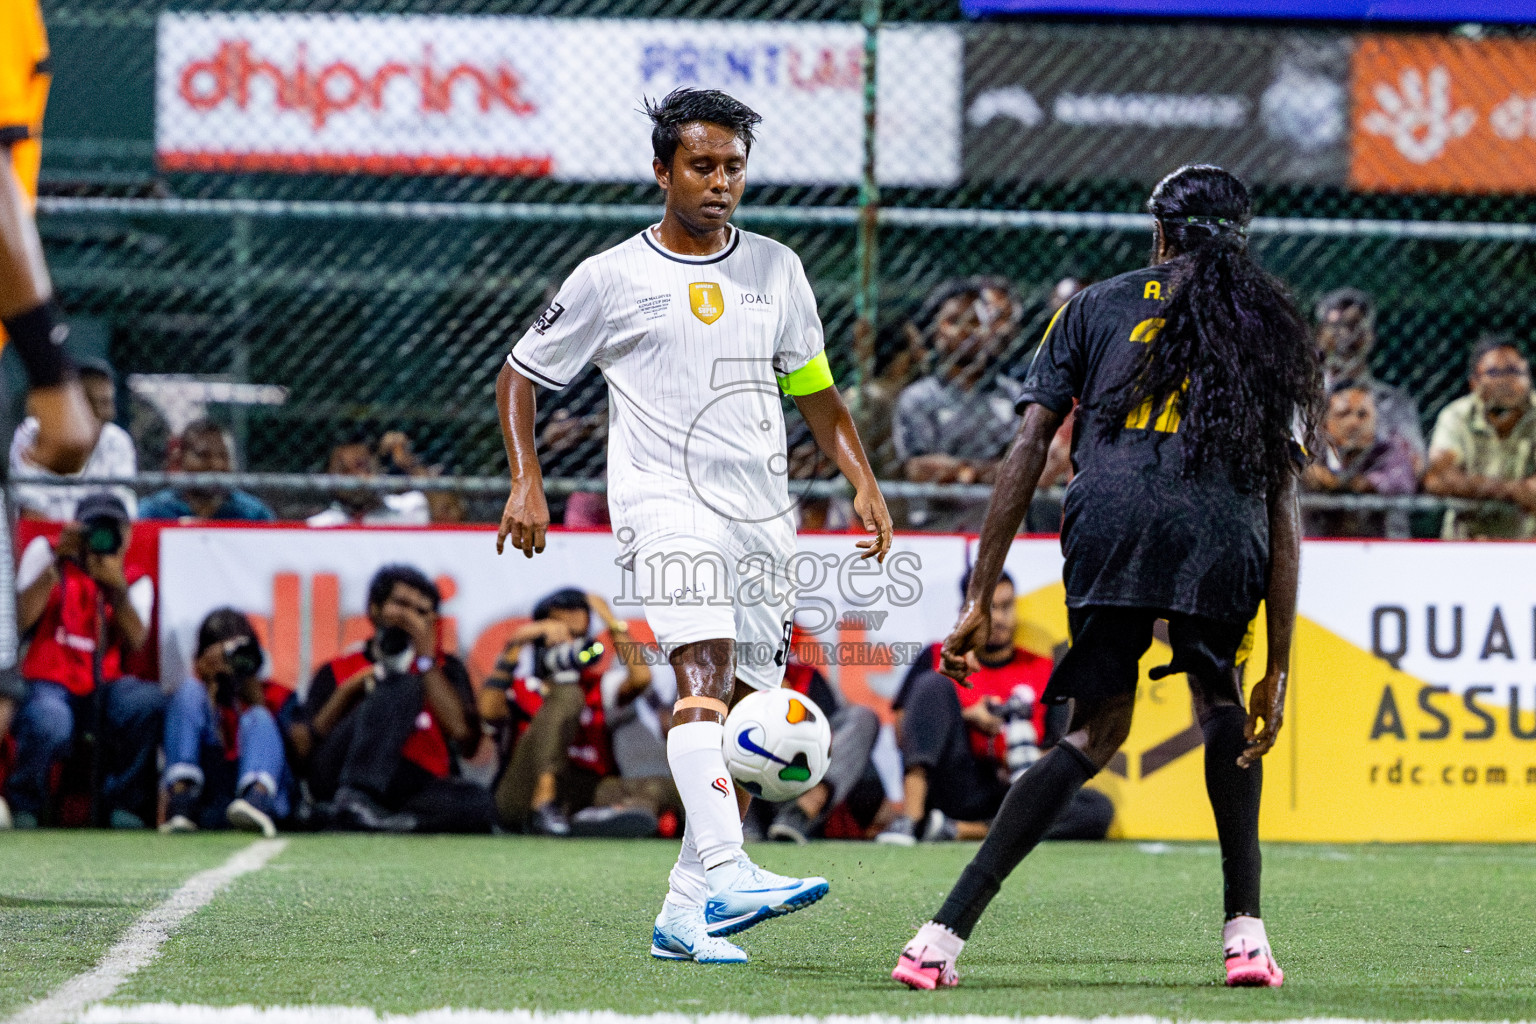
(832, 426)
(1267, 702)
(800, 363)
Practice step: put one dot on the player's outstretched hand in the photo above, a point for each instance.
(1267, 702)
(957, 658)
(525, 519)
(869, 505)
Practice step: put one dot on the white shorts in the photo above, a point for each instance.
(694, 589)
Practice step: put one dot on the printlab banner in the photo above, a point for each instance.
(539, 96)
(1135, 103)
(1411, 712)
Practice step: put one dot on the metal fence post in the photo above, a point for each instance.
(867, 299)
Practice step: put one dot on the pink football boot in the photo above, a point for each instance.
(1249, 959)
(928, 961)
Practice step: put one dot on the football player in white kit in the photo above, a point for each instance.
(697, 327)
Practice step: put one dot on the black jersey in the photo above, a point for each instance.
(1135, 532)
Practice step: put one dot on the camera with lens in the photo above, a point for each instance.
(1019, 732)
(564, 663)
(102, 536)
(395, 649)
(242, 663)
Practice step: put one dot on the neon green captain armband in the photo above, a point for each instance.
(814, 376)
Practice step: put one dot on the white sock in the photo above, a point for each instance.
(1246, 928)
(709, 796)
(688, 888)
(940, 938)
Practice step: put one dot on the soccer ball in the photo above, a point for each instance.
(777, 744)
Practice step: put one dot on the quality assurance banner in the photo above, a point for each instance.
(558, 97)
(1411, 714)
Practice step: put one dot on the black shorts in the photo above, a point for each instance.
(1108, 642)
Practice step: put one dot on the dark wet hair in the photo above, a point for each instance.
(383, 584)
(682, 107)
(1350, 384)
(1492, 343)
(224, 624)
(565, 599)
(965, 581)
(1234, 352)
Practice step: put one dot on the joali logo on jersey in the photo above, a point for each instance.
(707, 301)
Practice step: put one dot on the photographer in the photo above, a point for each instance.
(963, 743)
(223, 750)
(563, 762)
(382, 728)
(84, 611)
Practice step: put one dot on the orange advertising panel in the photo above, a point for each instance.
(1432, 114)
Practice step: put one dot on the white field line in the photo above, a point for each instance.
(142, 942)
(172, 1013)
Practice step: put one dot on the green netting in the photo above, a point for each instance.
(378, 318)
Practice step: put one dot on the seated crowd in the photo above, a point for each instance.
(565, 737)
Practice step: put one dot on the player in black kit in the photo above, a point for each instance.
(1198, 389)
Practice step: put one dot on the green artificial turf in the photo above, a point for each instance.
(66, 897)
(415, 923)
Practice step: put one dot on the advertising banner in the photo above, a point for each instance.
(1411, 713)
(1450, 11)
(538, 96)
(1437, 114)
(1061, 105)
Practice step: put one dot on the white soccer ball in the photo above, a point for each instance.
(777, 744)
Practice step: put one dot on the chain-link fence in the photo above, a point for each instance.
(321, 223)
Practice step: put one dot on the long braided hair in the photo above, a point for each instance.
(1234, 353)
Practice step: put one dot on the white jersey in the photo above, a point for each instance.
(690, 347)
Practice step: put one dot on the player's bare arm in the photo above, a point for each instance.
(1016, 481)
(1267, 703)
(832, 426)
(66, 429)
(525, 519)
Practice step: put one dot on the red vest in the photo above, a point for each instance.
(589, 747)
(64, 643)
(426, 748)
(1025, 669)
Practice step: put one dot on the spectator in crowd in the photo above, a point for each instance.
(397, 457)
(223, 750)
(362, 506)
(854, 731)
(378, 739)
(1484, 446)
(963, 744)
(61, 589)
(572, 439)
(113, 455)
(1357, 459)
(896, 357)
(954, 425)
(1346, 333)
(561, 777)
(203, 447)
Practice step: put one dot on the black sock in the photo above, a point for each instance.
(1033, 803)
(1234, 794)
